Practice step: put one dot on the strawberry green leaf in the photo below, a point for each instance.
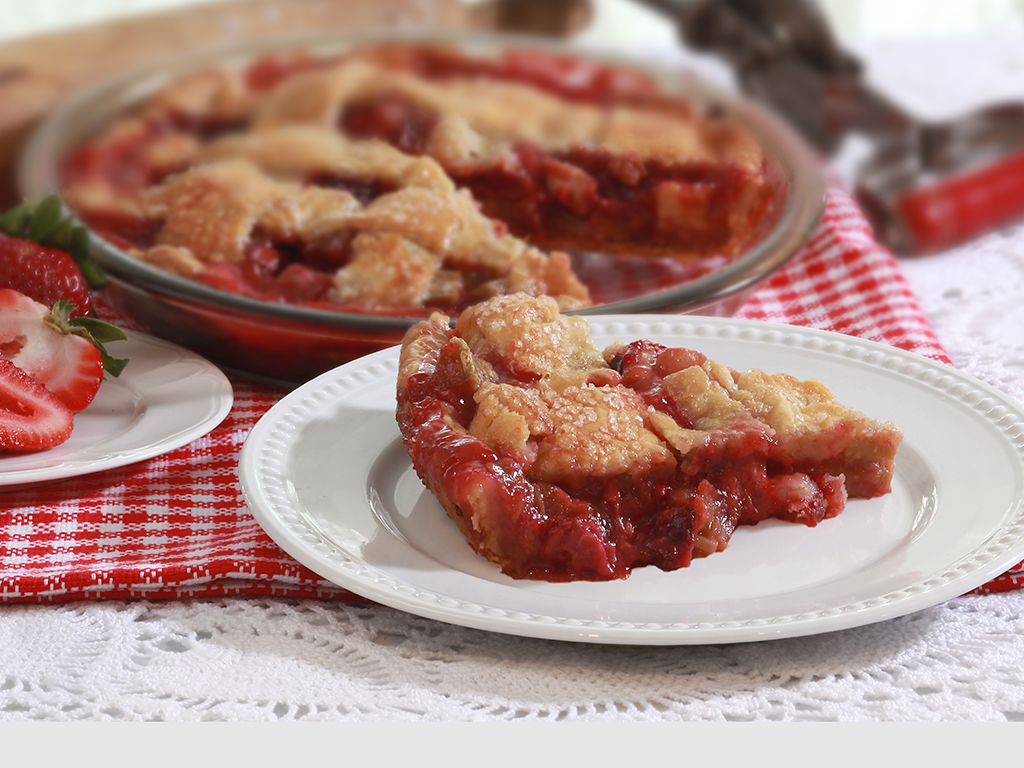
(100, 330)
(112, 365)
(45, 220)
(14, 221)
(62, 231)
(96, 331)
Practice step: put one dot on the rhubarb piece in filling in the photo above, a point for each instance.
(560, 462)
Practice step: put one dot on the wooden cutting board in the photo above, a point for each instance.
(38, 73)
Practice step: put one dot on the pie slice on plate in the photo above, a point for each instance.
(561, 462)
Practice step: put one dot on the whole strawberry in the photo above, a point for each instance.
(45, 255)
(45, 274)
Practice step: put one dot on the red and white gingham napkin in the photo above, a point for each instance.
(176, 525)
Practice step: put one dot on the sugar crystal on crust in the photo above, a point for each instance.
(531, 338)
(386, 271)
(212, 209)
(599, 432)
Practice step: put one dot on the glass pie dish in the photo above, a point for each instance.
(291, 342)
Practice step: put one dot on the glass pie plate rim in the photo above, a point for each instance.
(325, 474)
(802, 211)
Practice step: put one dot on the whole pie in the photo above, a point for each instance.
(410, 178)
(561, 462)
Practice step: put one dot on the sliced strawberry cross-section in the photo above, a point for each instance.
(31, 417)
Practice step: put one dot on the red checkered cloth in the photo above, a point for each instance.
(176, 525)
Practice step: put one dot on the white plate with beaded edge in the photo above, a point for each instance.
(165, 398)
(327, 476)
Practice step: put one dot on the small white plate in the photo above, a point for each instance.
(326, 475)
(165, 398)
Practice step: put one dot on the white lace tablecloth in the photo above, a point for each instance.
(278, 659)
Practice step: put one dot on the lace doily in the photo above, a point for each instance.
(249, 659)
(286, 659)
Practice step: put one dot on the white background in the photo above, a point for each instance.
(617, 21)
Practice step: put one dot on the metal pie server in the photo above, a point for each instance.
(926, 186)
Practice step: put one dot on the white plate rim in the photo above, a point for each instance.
(188, 398)
(271, 496)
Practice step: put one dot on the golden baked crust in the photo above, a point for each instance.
(407, 246)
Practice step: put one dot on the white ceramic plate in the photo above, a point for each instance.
(165, 398)
(326, 475)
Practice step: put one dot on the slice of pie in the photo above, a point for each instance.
(560, 462)
(415, 178)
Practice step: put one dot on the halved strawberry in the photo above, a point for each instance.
(31, 417)
(66, 355)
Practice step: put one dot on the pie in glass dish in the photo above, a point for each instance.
(562, 462)
(407, 178)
